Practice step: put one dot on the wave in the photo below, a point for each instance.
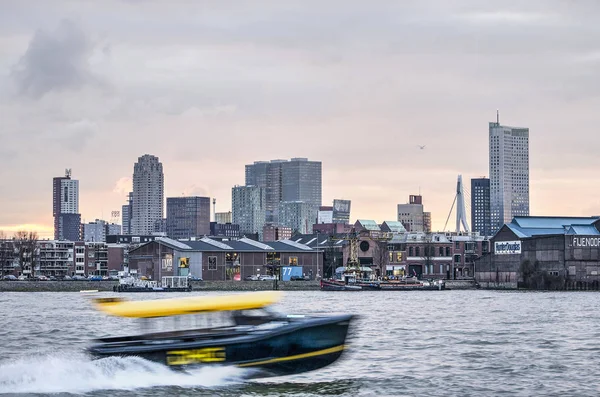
(78, 374)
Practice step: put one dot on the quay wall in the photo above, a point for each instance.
(76, 286)
(460, 284)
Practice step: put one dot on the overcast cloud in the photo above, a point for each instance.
(209, 86)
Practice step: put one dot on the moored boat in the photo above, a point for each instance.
(255, 337)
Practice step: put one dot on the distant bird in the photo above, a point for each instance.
(421, 146)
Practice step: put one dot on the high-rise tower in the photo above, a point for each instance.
(65, 208)
(509, 173)
(148, 194)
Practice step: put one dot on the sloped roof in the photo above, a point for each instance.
(243, 245)
(393, 226)
(369, 224)
(529, 226)
(551, 222)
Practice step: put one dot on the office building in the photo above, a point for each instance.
(412, 215)
(276, 232)
(228, 230)
(341, 211)
(325, 215)
(248, 208)
(298, 215)
(295, 180)
(188, 217)
(509, 173)
(65, 208)
(98, 230)
(480, 206)
(126, 214)
(148, 194)
(223, 217)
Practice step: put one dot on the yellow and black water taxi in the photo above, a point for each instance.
(253, 336)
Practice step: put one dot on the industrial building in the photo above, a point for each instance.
(223, 260)
(543, 253)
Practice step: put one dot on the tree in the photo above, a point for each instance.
(428, 252)
(6, 252)
(26, 247)
(381, 256)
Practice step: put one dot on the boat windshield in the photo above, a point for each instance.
(211, 320)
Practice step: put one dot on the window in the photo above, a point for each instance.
(441, 251)
(398, 256)
(293, 261)
(418, 251)
(457, 245)
(447, 251)
(212, 263)
(410, 251)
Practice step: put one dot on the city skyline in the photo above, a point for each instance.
(359, 102)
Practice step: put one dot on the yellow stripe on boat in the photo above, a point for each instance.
(331, 350)
(182, 306)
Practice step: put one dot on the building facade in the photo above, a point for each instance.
(65, 208)
(412, 215)
(544, 253)
(223, 217)
(481, 221)
(228, 230)
(224, 261)
(126, 214)
(295, 180)
(509, 173)
(99, 229)
(248, 208)
(276, 232)
(341, 211)
(148, 194)
(300, 216)
(188, 217)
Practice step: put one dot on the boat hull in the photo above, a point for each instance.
(332, 285)
(302, 345)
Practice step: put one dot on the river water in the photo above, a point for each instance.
(418, 343)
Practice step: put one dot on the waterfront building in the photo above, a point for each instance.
(248, 208)
(65, 208)
(412, 215)
(126, 214)
(544, 252)
(55, 258)
(509, 173)
(148, 194)
(223, 217)
(99, 229)
(232, 260)
(188, 217)
(297, 215)
(480, 206)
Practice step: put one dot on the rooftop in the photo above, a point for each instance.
(529, 226)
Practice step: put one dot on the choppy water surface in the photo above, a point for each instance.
(449, 343)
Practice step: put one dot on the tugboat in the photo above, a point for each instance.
(168, 284)
(253, 336)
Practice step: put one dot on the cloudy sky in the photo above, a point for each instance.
(208, 86)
